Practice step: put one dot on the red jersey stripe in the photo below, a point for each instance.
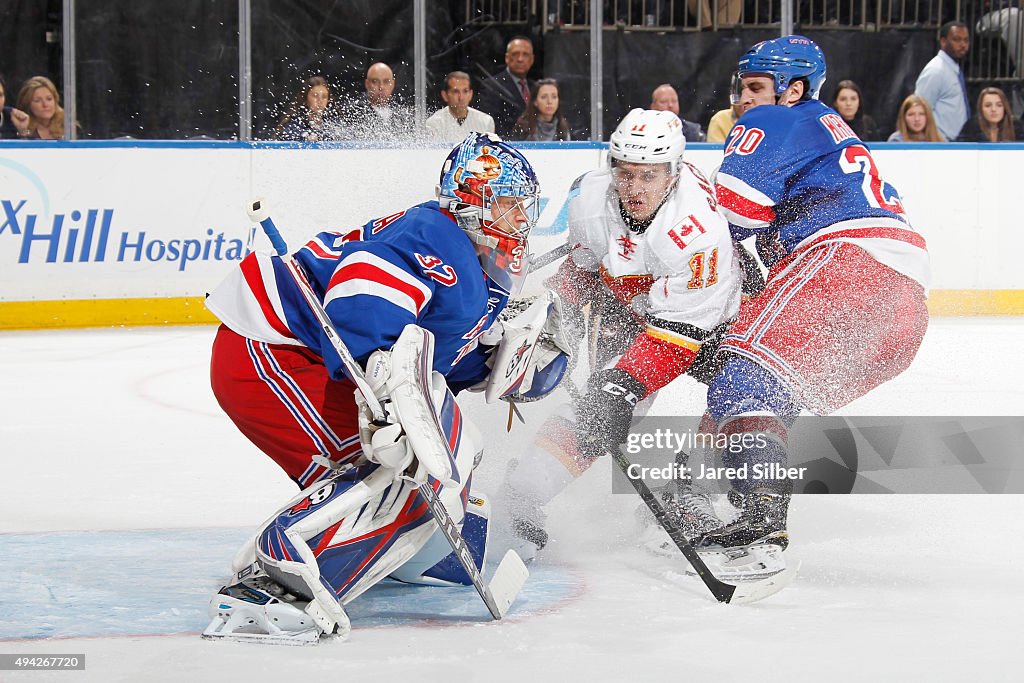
(742, 206)
(254, 279)
(368, 271)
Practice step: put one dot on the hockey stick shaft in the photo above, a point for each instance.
(549, 257)
(459, 546)
(723, 592)
(258, 213)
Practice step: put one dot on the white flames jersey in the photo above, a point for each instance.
(681, 274)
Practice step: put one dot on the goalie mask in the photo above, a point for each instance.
(492, 191)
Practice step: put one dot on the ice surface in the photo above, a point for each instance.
(121, 479)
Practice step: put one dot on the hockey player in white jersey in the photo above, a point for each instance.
(652, 278)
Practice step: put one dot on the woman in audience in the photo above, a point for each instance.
(543, 119)
(849, 102)
(13, 122)
(915, 122)
(994, 120)
(39, 99)
(310, 116)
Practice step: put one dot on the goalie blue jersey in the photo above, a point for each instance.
(799, 176)
(416, 266)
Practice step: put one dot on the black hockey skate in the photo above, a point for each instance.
(692, 511)
(749, 548)
(762, 520)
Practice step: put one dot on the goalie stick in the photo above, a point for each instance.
(511, 573)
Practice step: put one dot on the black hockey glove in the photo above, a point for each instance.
(604, 413)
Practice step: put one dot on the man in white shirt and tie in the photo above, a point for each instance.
(454, 122)
(941, 82)
(506, 94)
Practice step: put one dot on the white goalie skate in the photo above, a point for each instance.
(259, 610)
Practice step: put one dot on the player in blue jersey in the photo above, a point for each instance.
(843, 309)
(447, 266)
(422, 265)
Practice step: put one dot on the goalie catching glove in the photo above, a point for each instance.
(604, 413)
(532, 354)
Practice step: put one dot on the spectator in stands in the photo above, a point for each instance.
(915, 122)
(941, 82)
(723, 121)
(994, 121)
(13, 122)
(543, 120)
(39, 99)
(849, 102)
(454, 122)
(1007, 24)
(310, 116)
(378, 115)
(506, 94)
(729, 12)
(665, 98)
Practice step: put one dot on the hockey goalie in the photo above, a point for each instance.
(415, 300)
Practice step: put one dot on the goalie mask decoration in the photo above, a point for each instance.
(493, 193)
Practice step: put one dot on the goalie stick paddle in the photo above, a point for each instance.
(743, 593)
(508, 579)
(512, 573)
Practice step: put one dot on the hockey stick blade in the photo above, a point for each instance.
(723, 592)
(507, 580)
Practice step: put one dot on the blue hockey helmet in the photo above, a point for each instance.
(786, 59)
(491, 190)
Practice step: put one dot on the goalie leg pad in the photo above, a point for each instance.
(339, 538)
(436, 564)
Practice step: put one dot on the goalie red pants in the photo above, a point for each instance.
(282, 399)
